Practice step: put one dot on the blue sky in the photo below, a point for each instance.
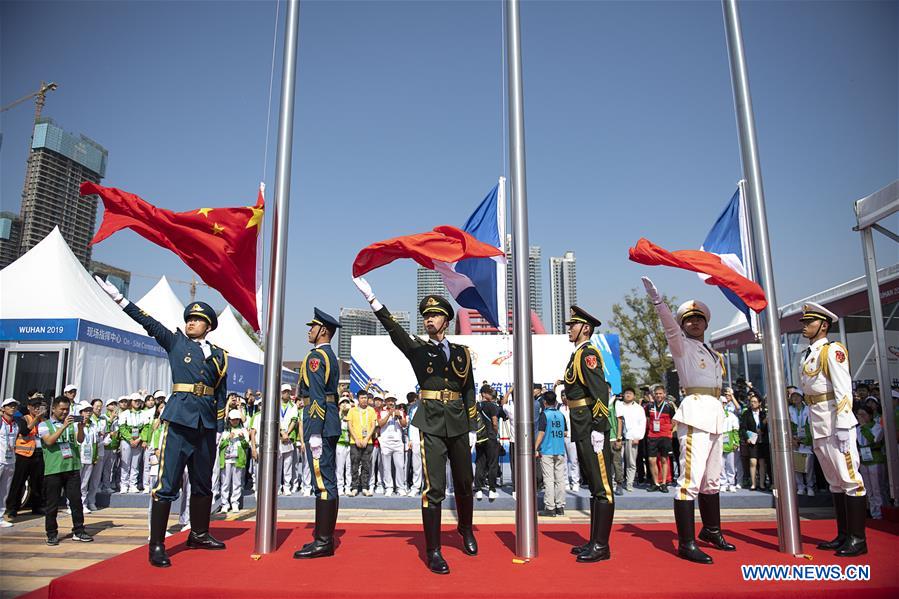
(629, 122)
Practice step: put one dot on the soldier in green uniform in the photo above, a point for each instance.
(588, 402)
(447, 419)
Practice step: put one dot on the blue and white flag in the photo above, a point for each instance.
(479, 283)
(729, 239)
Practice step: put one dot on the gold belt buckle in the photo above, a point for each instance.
(445, 395)
(199, 389)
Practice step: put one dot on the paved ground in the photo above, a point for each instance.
(28, 563)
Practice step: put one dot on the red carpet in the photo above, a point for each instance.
(384, 560)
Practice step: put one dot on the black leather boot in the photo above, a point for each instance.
(855, 544)
(323, 544)
(600, 527)
(839, 507)
(686, 532)
(200, 512)
(465, 511)
(159, 521)
(577, 549)
(710, 512)
(430, 518)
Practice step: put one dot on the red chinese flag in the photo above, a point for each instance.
(646, 252)
(443, 244)
(219, 244)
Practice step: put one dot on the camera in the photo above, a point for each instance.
(78, 418)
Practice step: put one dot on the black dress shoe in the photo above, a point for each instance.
(204, 540)
(317, 548)
(547, 513)
(652, 488)
(594, 552)
(663, 488)
(578, 549)
(560, 511)
(839, 508)
(158, 557)
(716, 539)
(436, 563)
(685, 521)
(469, 543)
(855, 521)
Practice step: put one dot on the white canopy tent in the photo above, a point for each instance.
(162, 304)
(66, 330)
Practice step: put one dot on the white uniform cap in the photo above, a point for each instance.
(112, 400)
(69, 388)
(8, 401)
(286, 387)
(234, 414)
(81, 406)
(159, 394)
(693, 308)
(136, 395)
(813, 311)
(123, 398)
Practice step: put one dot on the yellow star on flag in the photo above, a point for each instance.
(256, 218)
(217, 229)
(204, 211)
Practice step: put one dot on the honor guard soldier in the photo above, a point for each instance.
(827, 386)
(193, 414)
(447, 419)
(588, 405)
(321, 429)
(700, 425)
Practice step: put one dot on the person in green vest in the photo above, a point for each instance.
(110, 446)
(89, 450)
(730, 445)
(130, 423)
(871, 456)
(344, 472)
(154, 451)
(234, 448)
(255, 424)
(62, 469)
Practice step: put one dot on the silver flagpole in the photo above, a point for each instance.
(267, 504)
(526, 506)
(788, 535)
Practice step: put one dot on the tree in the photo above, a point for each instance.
(642, 339)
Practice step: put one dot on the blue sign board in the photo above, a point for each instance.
(91, 332)
(38, 329)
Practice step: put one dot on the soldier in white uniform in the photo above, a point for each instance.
(700, 424)
(827, 386)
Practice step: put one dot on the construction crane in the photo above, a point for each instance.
(40, 99)
(192, 284)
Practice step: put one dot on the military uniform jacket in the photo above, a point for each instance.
(698, 366)
(824, 368)
(189, 366)
(585, 379)
(319, 375)
(434, 373)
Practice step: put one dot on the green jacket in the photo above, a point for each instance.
(243, 447)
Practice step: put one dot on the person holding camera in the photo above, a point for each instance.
(62, 468)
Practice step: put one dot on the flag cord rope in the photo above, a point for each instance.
(271, 79)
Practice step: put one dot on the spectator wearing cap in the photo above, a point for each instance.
(487, 445)
(871, 457)
(730, 447)
(233, 452)
(150, 414)
(391, 423)
(9, 431)
(60, 436)
(29, 460)
(287, 423)
(110, 442)
(550, 449)
(344, 471)
(89, 452)
(131, 423)
(70, 391)
(253, 427)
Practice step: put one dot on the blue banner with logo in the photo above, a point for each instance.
(39, 329)
(100, 334)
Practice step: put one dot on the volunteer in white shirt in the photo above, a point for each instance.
(9, 430)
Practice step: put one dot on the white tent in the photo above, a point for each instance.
(162, 304)
(58, 327)
(232, 337)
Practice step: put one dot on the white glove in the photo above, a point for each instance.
(110, 289)
(651, 290)
(843, 439)
(597, 439)
(364, 288)
(315, 444)
(472, 439)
